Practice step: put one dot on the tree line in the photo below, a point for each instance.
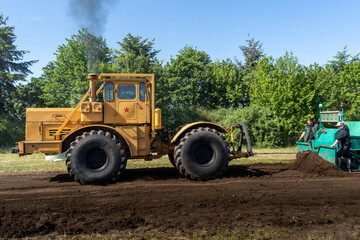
(274, 96)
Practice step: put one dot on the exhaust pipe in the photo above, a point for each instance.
(93, 80)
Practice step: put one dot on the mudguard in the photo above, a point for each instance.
(190, 126)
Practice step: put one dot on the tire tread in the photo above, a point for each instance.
(122, 156)
(179, 148)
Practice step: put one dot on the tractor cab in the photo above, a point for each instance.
(126, 101)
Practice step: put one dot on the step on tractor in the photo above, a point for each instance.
(97, 138)
(327, 134)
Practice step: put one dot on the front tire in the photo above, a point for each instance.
(96, 157)
(172, 159)
(202, 154)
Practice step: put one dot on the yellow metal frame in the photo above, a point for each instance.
(52, 147)
(57, 134)
(103, 76)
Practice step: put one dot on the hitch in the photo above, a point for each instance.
(15, 150)
(243, 131)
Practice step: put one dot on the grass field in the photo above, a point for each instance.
(12, 162)
(266, 233)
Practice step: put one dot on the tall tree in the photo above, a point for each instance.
(136, 55)
(188, 78)
(252, 52)
(281, 85)
(324, 79)
(65, 79)
(341, 59)
(12, 70)
(227, 85)
(184, 86)
(348, 88)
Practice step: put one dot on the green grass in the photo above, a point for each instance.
(266, 233)
(276, 156)
(12, 162)
(241, 234)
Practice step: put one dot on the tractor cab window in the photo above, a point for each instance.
(109, 91)
(126, 92)
(142, 90)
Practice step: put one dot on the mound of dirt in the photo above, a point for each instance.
(310, 162)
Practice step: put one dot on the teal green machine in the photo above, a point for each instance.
(322, 142)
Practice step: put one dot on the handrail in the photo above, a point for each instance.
(323, 146)
(303, 143)
(103, 75)
(354, 154)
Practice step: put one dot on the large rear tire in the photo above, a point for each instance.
(96, 157)
(202, 154)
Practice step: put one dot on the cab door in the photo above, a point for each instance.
(144, 103)
(109, 103)
(131, 103)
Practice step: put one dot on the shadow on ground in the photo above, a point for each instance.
(166, 173)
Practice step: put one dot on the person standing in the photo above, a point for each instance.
(343, 139)
(309, 132)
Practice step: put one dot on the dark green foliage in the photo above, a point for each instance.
(341, 59)
(11, 131)
(177, 116)
(252, 53)
(136, 55)
(193, 79)
(187, 76)
(12, 70)
(26, 96)
(281, 86)
(262, 124)
(228, 87)
(348, 87)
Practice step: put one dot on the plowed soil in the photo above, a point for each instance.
(159, 200)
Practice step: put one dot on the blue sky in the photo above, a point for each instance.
(313, 30)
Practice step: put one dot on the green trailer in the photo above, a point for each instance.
(323, 140)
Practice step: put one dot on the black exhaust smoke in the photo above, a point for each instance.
(92, 15)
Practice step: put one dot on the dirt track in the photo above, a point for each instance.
(159, 200)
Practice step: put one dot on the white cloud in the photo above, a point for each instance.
(37, 19)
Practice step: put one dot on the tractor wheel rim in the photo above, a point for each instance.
(204, 154)
(96, 159)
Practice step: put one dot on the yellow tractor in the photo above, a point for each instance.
(97, 138)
